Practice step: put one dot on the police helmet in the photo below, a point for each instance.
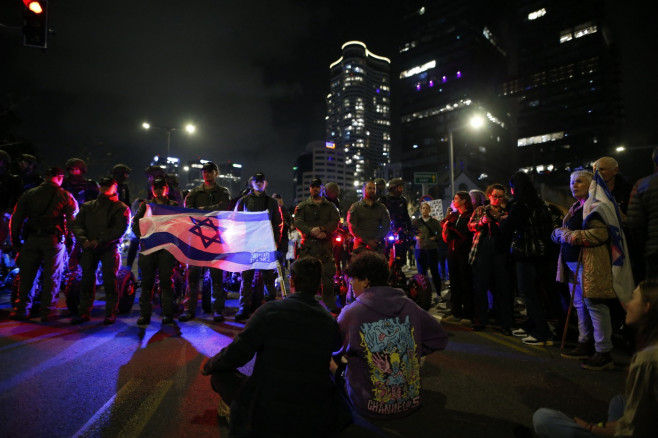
(395, 182)
(76, 163)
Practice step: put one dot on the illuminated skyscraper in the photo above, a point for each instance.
(358, 118)
(321, 160)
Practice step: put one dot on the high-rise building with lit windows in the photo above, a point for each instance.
(452, 59)
(321, 160)
(565, 85)
(358, 118)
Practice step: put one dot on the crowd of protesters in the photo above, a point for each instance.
(496, 246)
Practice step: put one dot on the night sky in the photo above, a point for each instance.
(252, 76)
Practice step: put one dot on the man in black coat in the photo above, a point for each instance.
(290, 392)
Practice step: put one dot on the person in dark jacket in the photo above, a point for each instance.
(27, 164)
(428, 233)
(209, 196)
(643, 219)
(121, 173)
(459, 239)
(38, 228)
(99, 227)
(83, 189)
(162, 261)
(258, 200)
(290, 392)
(525, 205)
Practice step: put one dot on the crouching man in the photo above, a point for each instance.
(290, 392)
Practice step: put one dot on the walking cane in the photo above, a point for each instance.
(573, 293)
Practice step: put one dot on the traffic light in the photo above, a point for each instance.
(35, 23)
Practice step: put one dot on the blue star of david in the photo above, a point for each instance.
(206, 240)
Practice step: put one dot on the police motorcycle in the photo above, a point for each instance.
(417, 287)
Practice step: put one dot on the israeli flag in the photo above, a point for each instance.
(230, 240)
(602, 202)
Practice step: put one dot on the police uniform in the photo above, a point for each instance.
(216, 198)
(104, 220)
(40, 219)
(323, 215)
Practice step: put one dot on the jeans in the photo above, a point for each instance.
(549, 423)
(593, 316)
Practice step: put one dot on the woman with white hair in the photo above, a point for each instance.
(585, 263)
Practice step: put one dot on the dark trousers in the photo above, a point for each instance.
(247, 288)
(429, 259)
(110, 260)
(490, 270)
(37, 250)
(217, 296)
(164, 263)
(461, 286)
(526, 277)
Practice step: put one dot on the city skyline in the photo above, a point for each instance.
(254, 84)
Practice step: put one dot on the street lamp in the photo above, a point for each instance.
(189, 128)
(476, 122)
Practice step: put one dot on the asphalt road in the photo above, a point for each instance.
(91, 380)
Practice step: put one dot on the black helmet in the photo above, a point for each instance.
(76, 163)
(4, 156)
(27, 157)
(395, 182)
(121, 168)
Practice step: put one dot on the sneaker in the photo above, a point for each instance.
(520, 333)
(144, 320)
(218, 317)
(584, 350)
(598, 362)
(168, 320)
(109, 320)
(531, 340)
(79, 319)
(186, 316)
(241, 315)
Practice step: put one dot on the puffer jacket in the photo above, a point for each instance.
(595, 258)
(642, 217)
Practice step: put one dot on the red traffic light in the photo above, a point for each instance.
(34, 6)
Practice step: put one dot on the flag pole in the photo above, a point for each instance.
(282, 283)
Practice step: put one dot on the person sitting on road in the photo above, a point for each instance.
(290, 392)
(634, 413)
(385, 336)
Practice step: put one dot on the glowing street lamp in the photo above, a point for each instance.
(475, 122)
(189, 128)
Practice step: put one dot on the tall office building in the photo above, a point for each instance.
(321, 160)
(565, 85)
(451, 62)
(358, 118)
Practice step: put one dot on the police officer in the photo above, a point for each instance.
(121, 173)
(161, 260)
(28, 171)
(38, 226)
(258, 200)
(99, 227)
(212, 197)
(400, 220)
(316, 220)
(380, 189)
(82, 189)
(369, 221)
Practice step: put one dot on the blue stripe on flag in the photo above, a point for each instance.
(159, 210)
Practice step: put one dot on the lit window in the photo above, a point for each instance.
(417, 69)
(544, 138)
(537, 14)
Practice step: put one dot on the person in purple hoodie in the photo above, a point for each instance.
(385, 336)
